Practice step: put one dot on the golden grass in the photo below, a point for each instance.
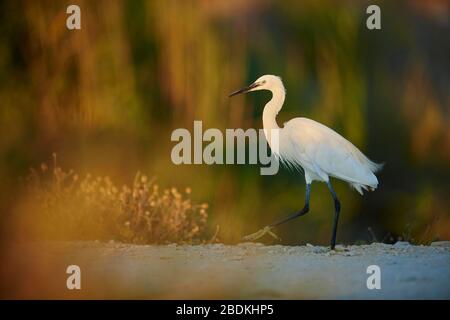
(63, 206)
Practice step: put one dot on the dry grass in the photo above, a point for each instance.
(67, 207)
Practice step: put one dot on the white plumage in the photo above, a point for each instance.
(321, 152)
(318, 150)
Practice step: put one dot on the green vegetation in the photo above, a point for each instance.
(106, 99)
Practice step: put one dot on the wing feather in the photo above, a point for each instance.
(321, 149)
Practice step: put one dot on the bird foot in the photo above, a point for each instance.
(339, 249)
(261, 233)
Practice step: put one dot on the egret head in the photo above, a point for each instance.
(266, 82)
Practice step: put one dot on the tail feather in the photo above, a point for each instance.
(374, 167)
(360, 187)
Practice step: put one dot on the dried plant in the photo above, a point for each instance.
(67, 207)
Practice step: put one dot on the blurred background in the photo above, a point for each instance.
(107, 97)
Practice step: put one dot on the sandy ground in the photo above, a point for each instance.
(245, 271)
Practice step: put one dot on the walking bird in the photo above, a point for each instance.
(316, 149)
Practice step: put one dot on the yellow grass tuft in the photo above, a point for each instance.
(67, 207)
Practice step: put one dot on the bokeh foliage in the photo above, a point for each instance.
(106, 99)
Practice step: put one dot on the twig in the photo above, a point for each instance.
(213, 239)
(372, 234)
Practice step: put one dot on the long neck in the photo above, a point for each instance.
(272, 108)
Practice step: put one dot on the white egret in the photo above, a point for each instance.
(318, 150)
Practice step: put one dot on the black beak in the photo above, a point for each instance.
(246, 89)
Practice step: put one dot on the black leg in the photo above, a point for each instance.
(299, 213)
(267, 229)
(337, 209)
